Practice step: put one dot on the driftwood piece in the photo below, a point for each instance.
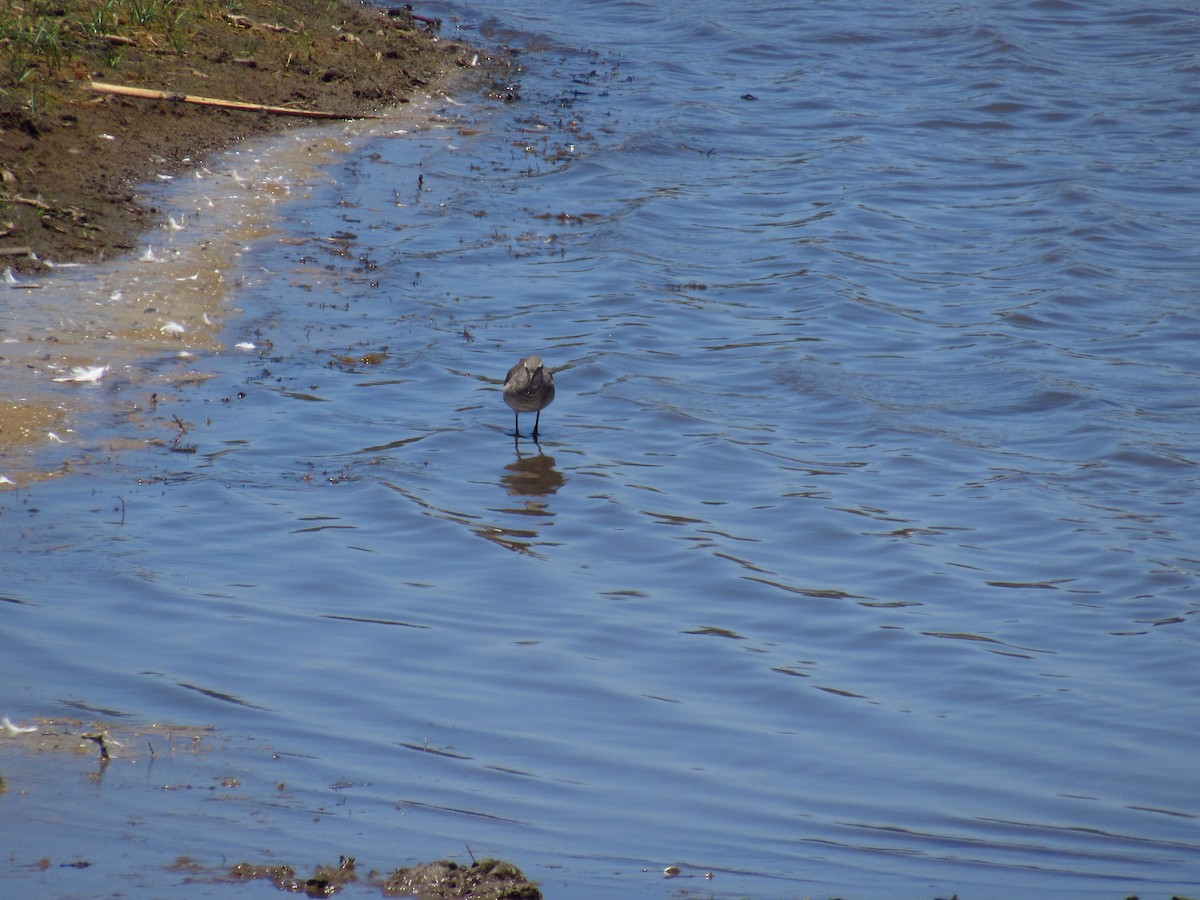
(148, 94)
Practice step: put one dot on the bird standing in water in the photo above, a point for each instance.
(529, 387)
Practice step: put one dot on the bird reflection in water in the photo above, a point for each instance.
(532, 476)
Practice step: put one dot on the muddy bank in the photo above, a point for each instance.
(71, 158)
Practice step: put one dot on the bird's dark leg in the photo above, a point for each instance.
(516, 424)
(536, 421)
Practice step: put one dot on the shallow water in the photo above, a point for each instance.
(857, 556)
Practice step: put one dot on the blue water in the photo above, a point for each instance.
(858, 556)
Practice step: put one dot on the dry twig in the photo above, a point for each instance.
(148, 94)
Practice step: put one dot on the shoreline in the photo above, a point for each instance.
(71, 157)
(77, 166)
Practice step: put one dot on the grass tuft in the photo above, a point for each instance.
(46, 45)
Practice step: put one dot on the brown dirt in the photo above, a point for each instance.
(70, 161)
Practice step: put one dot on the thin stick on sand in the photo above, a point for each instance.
(147, 94)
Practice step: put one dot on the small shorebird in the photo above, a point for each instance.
(529, 387)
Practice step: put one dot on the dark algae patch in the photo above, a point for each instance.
(487, 879)
(71, 156)
(324, 882)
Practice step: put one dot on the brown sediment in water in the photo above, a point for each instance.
(25, 423)
(101, 739)
(71, 159)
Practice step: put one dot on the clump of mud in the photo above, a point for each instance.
(487, 879)
(325, 881)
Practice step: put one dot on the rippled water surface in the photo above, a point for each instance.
(859, 552)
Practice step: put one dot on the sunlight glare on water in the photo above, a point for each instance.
(856, 556)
